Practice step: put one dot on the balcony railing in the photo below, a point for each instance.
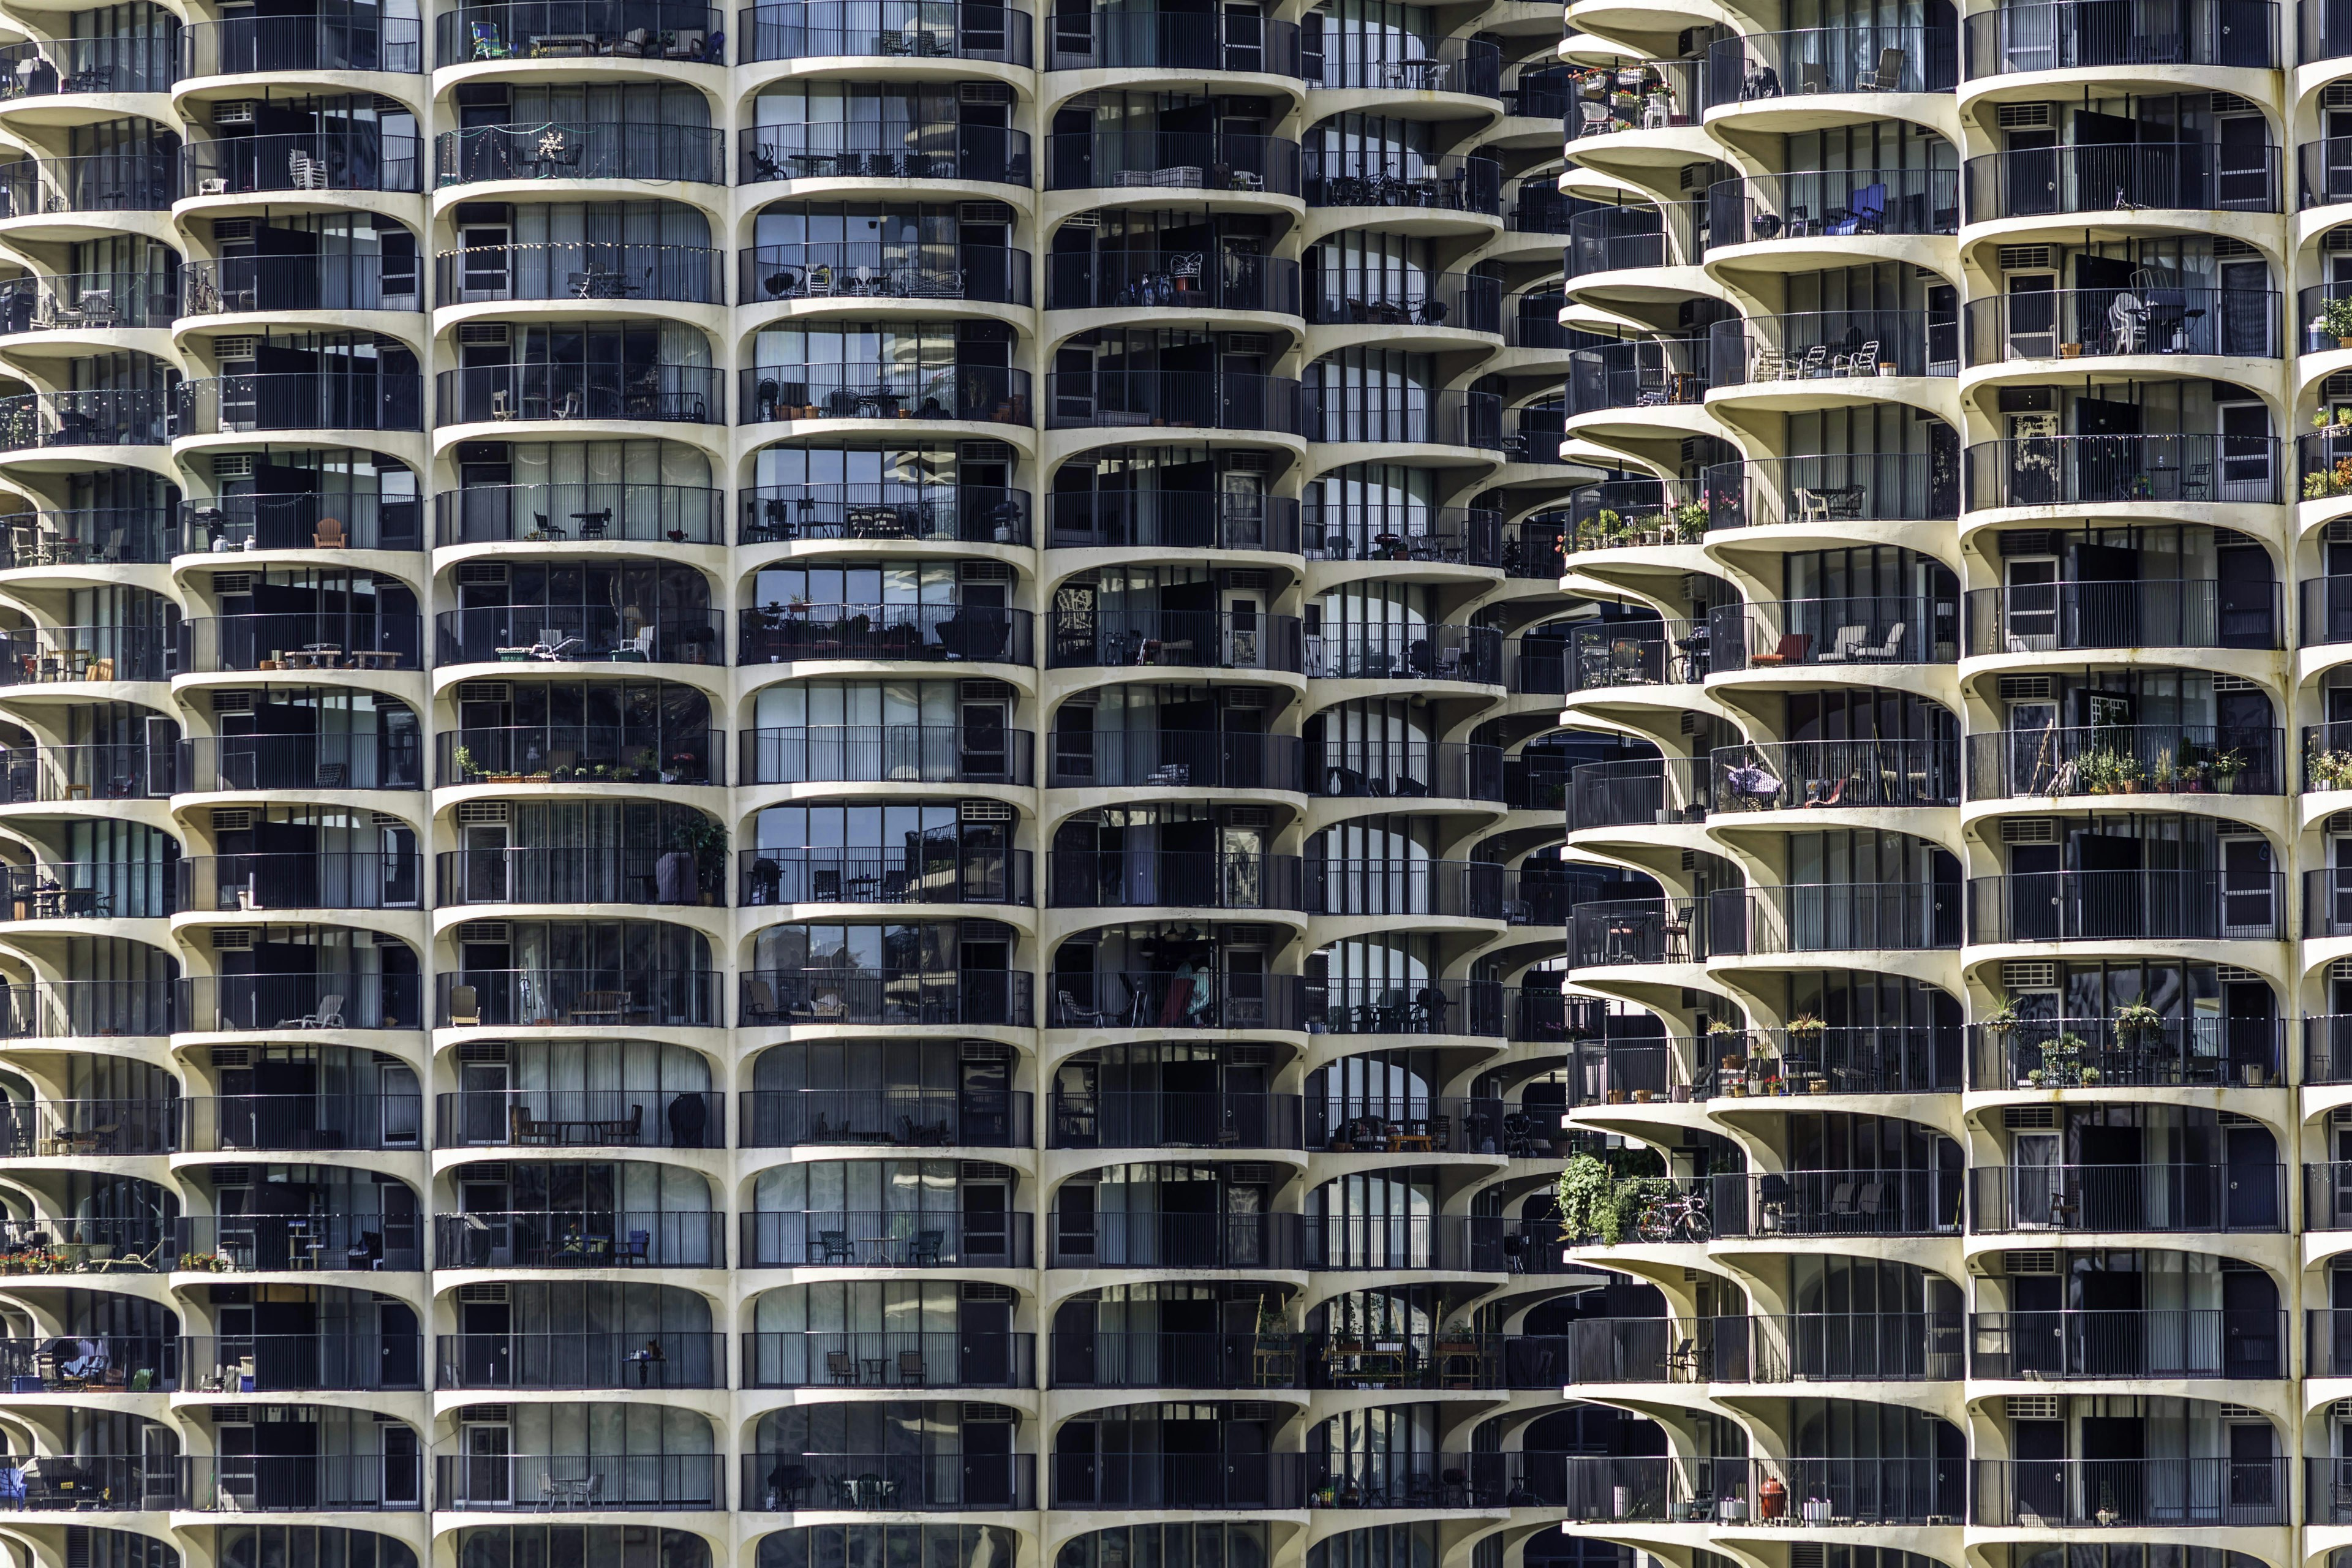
(1645, 373)
(1830, 203)
(1410, 415)
(122, 771)
(1341, 1006)
(931, 875)
(581, 269)
(263, 1244)
(544, 874)
(924, 1482)
(224, 525)
(1085, 1358)
(1128, 280)
(1633, 238)
(108, 535)
(877, 754)
(2138, 1343)
(585, 1361)
(54, 1245)
(135, 179)
(579, 998)
(139, 63)
(1835, 1202)
(1811, 60)
(1172, 520)
(580, 753)
(306, 1483)
(2176, 1198)
(1466, 1244)
(1148, 1238)
(2124, 759)
(632, 29)
(885, 633)
(299, 640)
(544, 635)
(2206, 1050)
(1438, 1124)
(1830, 488)
(2048, 618)
(1831, 346)
(257, 45)
(558, 513)
(1199, 639)
(1623, 515)
(972, 514)
(87, 1009)
(983, 393)
(1360, 177)
(48, 654)
(126, 416)
(355, 160)
(1461, 536)
(1836, 1058)
(1831, 632)
(223, 1004)
(2072, 35)
(319, 879)
(1145, 879)
(894, 1238)
(2327, 901)
(909, 29)
(1364, 769)
(1169, 160)
(578, 1483)
(1179, 399)
(872, 269)
(2183, 176)
(2098, 323)
(339, 1360)
(886, 1118)
(604, 150)
(2084, 470)
(670, 393)
(1469, 302)
(873, 150)
(1151, 1118)
(220, 1124)
(51, 303)
(86, 889)
(355, 280)
(369, 399)
(2165, 904)
(87, 1362)
(580, 1238)
(1174, 759)
(888, 1359)
(1851, 774)
(637, 1118)
(1827, 1347)
(46, 1128)
(1395, 59)
(1173, 999)
(2325, 29)
(2148, 1494)
(1443, 890)
(967, 996)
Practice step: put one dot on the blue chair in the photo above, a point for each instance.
(1865, 215)
(639, 1249)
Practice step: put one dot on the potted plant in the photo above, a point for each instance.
(2226, 766)
(1806, 1028)
(2335, 319)
(706, 840)
(2002, 1020)
(462, 759)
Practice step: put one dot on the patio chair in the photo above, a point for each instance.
(924, 1251)
(1596, 115)
(1812, 506)
(1812, 76)
(637, 1249)
(1888, 651)
(1863, 361)
(1886, 76)
(911, 1370)
(1067, 1009)
(834, 1246)
(1767, 365)
(329, 535)
(488, 45)
(1808, 366)
(464, 1007)
(760, 1002)
(307, 173)
(841, 1366)
(328, 1014)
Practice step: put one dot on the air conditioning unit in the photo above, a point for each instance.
(231, 1056)
(2028, 830)
(2023, 116)
(1248, 698)
(983, 92)
(387, 819)
(1244, 581)
(483, 1052)
(238, 111)
(243, 346)
(2029, 975)
(481, 574)
(2027, 689)
(484, 931)
(2025, 258)
(973, 1291)
(482, 335)
(232, 819)
(482, 1295)
(486, 691)
(2029, 1118)
(984, 452)
(2031, 1407)
(232, 939)
(985, 212)
(983, 811)
(986, 1170)
(232, 228)
(1249, 463)
(482, 814)
(232, 582)
(2025, 1265)
(225, 701)
(1249, 344)
(984, 572)
(232, 465)
(987, 1414)
(985, 690)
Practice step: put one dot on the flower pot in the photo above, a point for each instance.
(1817, 1086)
(1616, 1096)
(1680, 1094)
(1644, 1096)
(2070, 350)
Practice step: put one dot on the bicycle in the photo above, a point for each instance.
(1674, 1216)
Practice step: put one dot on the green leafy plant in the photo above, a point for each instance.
(1585, 1186)
(2002, 1020)
(2336, 317)
(2136, 1018)
(706, 840)
(463, 759)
